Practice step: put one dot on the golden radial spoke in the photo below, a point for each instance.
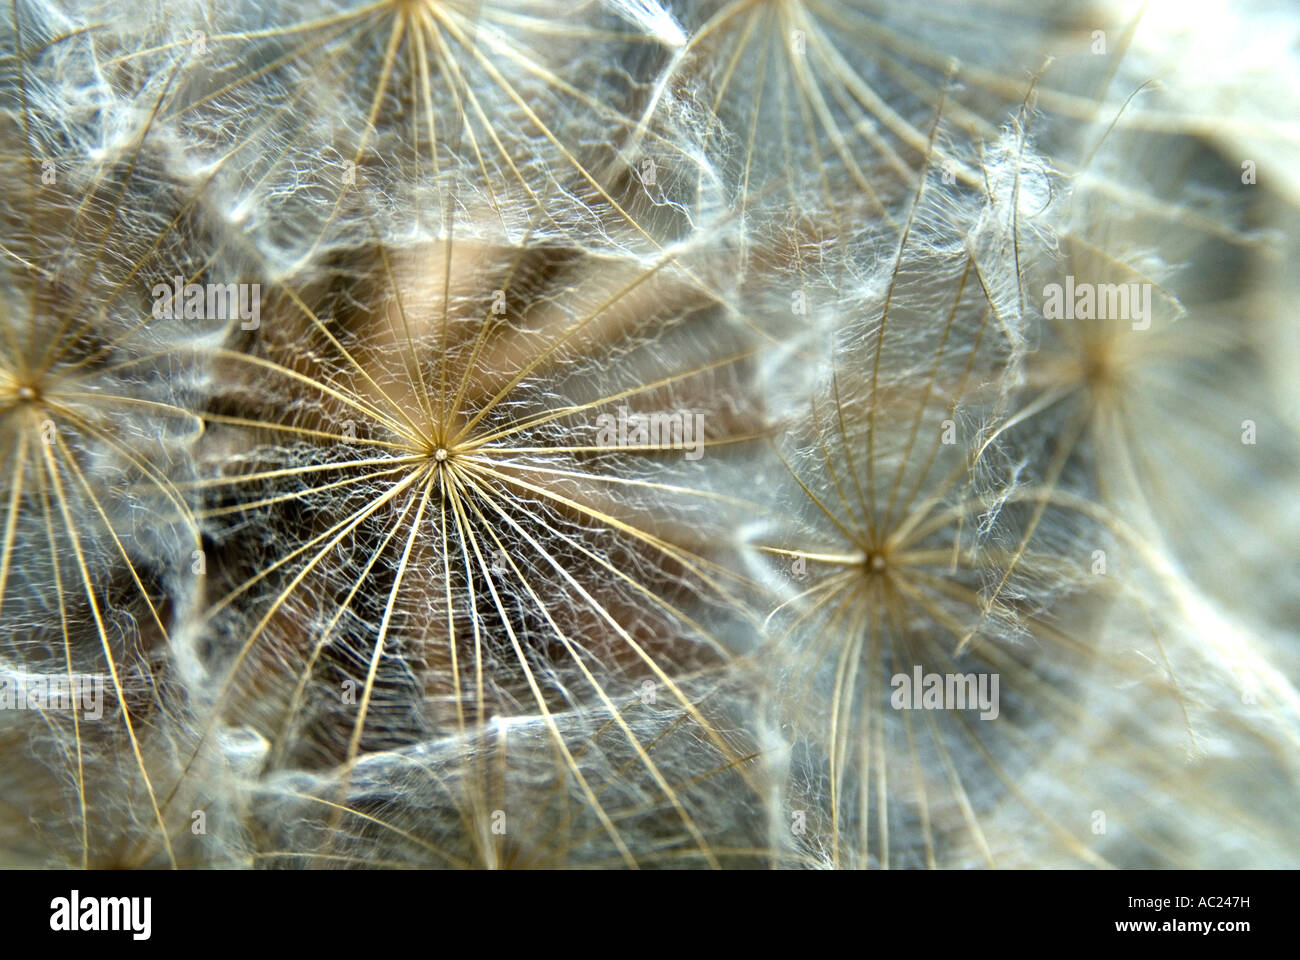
(420, 67)
(651, 767)
(52, 472)
(24, 113)
(354, 400)
(452, 642)
(829, 463)
(849, 535)
(71, 462)
(326, 634)
(601, 611)
(453, 493)
(395, 462)
(760, 88)
(304, 494)
(55, 342)
(67, 654)
(543, 355)
(832, 583)
(412, 362)
(381, 88)
(415, 433)
(884, 322)
(1070, 437)
(570, 409)
(954, 777)
(335, 535)
(485, 328)
(850, 652)
(848, 447)
(501, 44)
(341, 808)
(816, 101)
(693, 562)
(508, 89)
(924, 402)
(245, 35)
(303, 432)
(354, 744)
(456, 83)
(628, 448)
(448, 59)
(936, 443)
(164, 486)
(538, 696)
(18, 464)
(622, 481)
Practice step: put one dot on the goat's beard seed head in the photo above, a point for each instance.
(97, 426)
(418, 502)
(433, 593)
(335, 121)
(923, 529)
